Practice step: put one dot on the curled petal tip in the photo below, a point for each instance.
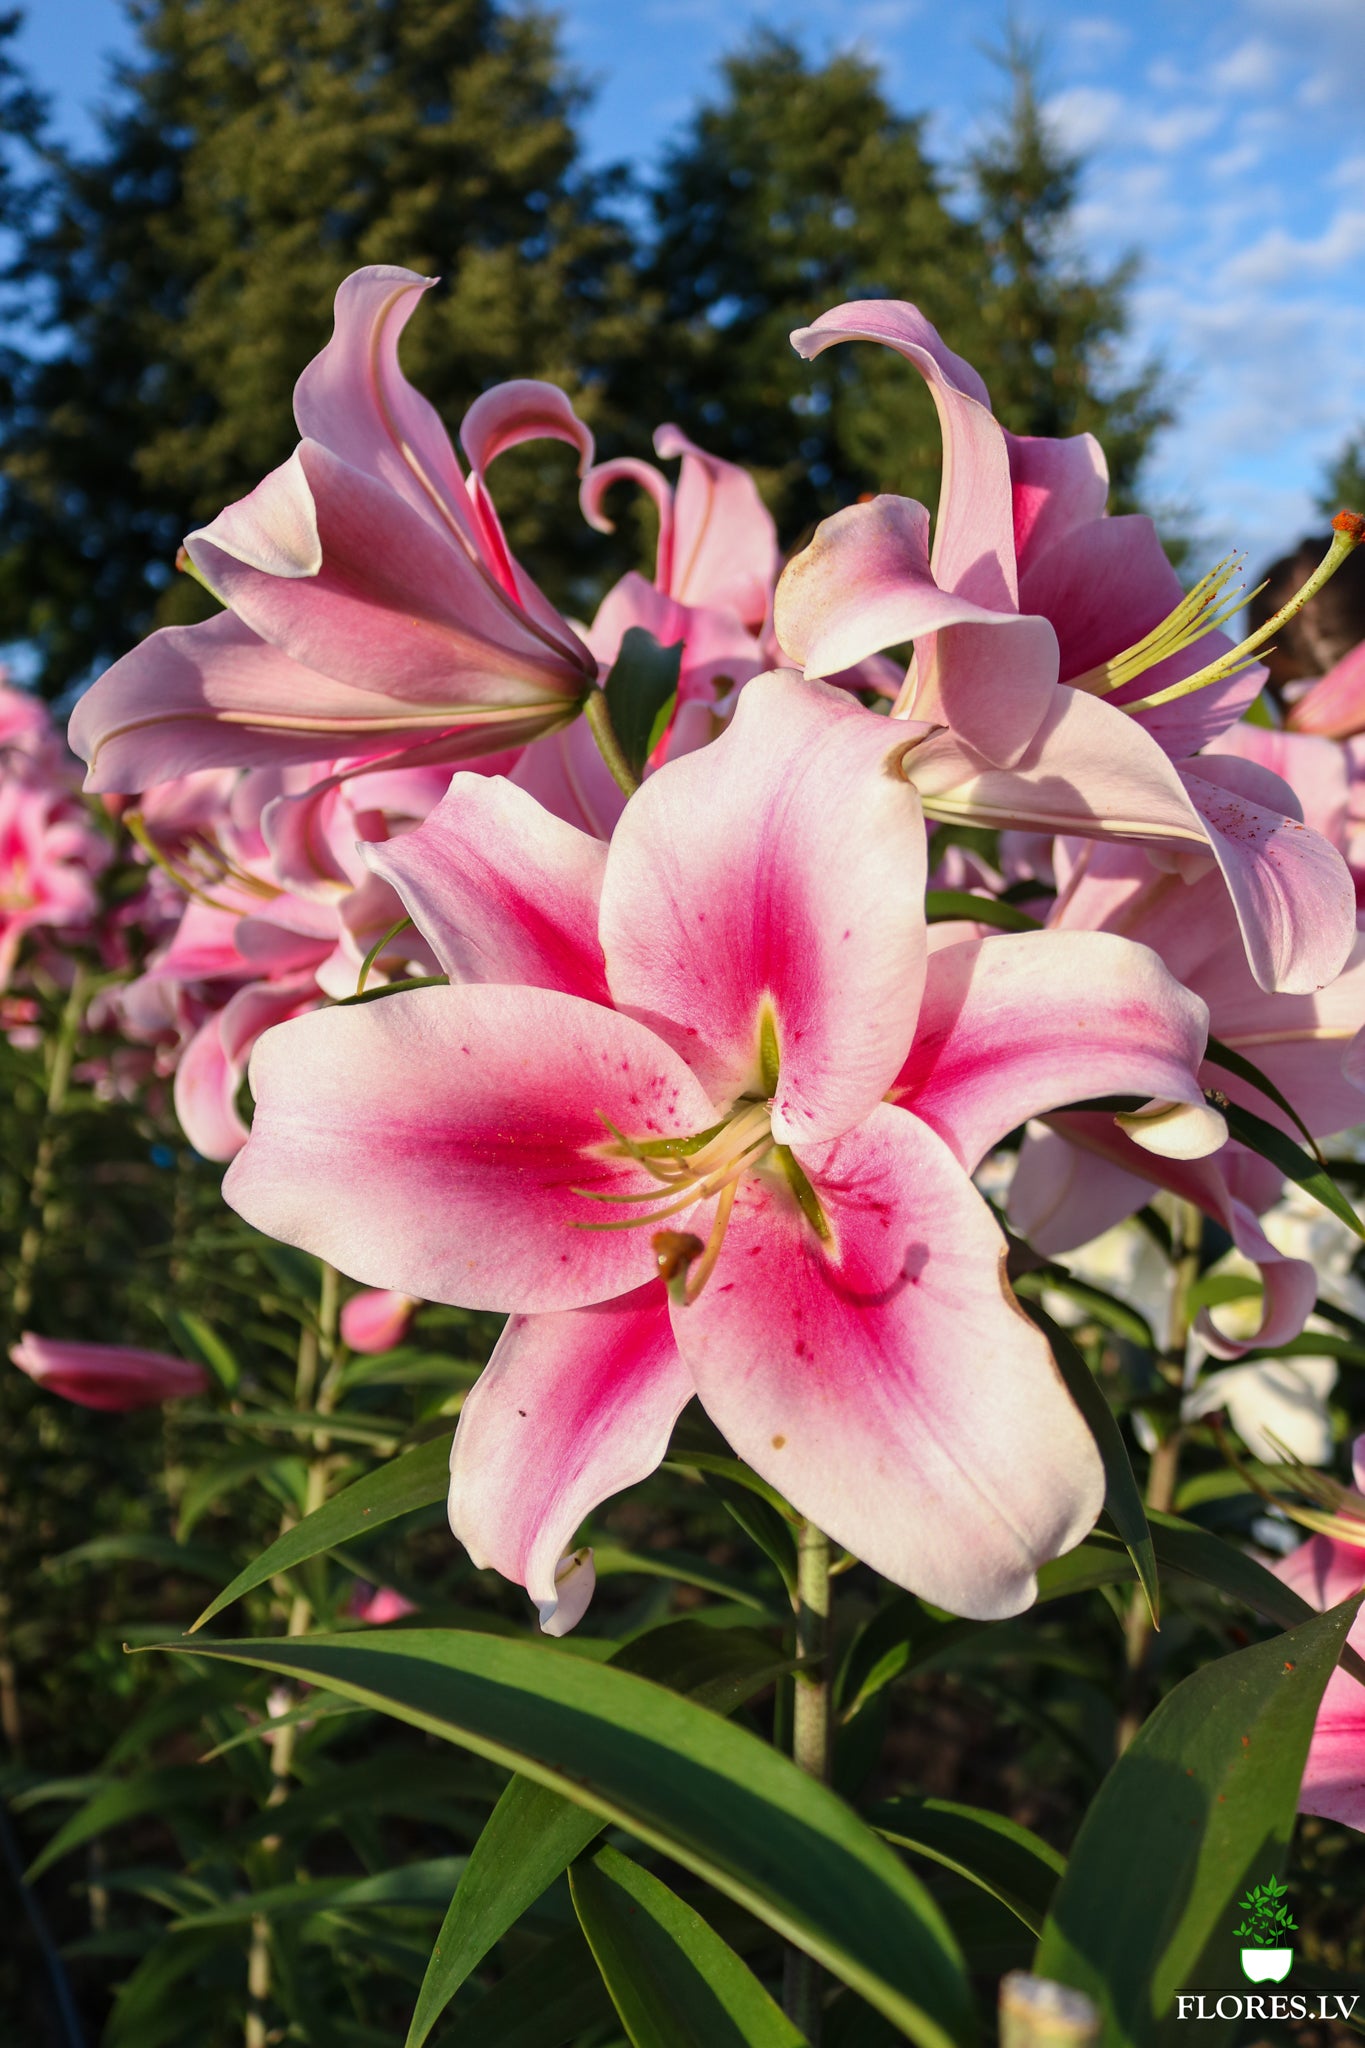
(575, 1582)
(1176, 1130)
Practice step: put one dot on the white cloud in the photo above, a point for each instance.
(1171, 132)
(1237, 161)
(1254, 66)
(1278, 257)
(1084, 116)
(1093, 38)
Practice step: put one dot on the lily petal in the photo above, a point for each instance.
(432, 1141)
(213, 695)
(974, 537)
(354, 398)
(1013, 1026)
(808, 903)
(864, 584)
(504, 891)
(393, 597)
(889, 1385)
(571, 1409)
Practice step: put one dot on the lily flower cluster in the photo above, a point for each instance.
(656, 1049)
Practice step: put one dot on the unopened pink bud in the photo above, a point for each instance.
(377, 1320)
(107, 1376)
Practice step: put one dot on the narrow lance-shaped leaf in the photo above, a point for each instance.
(672, 1979)
(713, 1797)
(1197, 1809)
(1007, 1860)
(1122, 1499)
(533, 1833)
(643, 678)
(1294, 1163)
(415, 1480)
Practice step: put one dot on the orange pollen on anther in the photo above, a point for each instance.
(714, 1168)
(1350, 523)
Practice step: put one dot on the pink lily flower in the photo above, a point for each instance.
(715, 567)
(284, 914)
(379, 1604)
(1335, 705)
(1031, 681)
(377, 1319)
(113, 1377)
(725, 1023)
(50, 854)
(1327, 1570)
(1085, 1175)
(374, 607)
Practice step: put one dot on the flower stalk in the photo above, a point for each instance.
(811, 1731)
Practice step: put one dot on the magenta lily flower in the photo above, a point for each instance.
(1335, 705)
(715, 567)
(50, 855)
(716, 1050)
(374, 607)
(1084, 1175)
(113, 1377)
(1327, 1570)
(1046, 637)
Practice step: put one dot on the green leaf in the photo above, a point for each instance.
(533, 1833)
(643, 678)
(427, 1883)
(760, 1521)
(610, 1559)
(1007, 1860)
(1202, 1801)
(1101, 1307)
(161, 1792)
(551, 1998)
(1122, 1498)
(1221, 1055)
(703, 1791)
(415, 1480)
(200, 1561)
(1293, 1162)
(943, 906)
(675, 1983)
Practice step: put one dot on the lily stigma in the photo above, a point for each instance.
(1207, 607)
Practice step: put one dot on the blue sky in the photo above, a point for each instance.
(1227, 148)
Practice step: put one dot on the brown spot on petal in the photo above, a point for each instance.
(778, 1442)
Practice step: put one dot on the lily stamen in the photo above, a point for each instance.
(1348, 531)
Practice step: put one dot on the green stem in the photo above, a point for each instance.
(40, 1186)
(608, 746)
(1163, 1473)
(811, 1730)
(317, 1347)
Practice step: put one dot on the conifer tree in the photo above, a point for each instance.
(798, 186)
(252, 156)
(1052, 325)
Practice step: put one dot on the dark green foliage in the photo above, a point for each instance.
(1344, 481)
(252, 158)
(183, 275)
(799, 186)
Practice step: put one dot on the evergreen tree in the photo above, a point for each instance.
(1344, 478)
(799, 186)
(1052, 326)
(253, 156)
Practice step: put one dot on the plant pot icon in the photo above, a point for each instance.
(1267, 1965)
